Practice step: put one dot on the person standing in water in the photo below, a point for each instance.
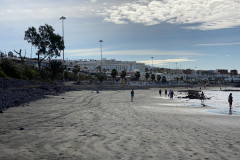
(160, 92)
(165, 92)
(132, 95)
(171, 93)
(230, 100)
(202, 97)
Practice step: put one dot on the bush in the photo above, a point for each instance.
(2, 74)
(44, 74)
(101, 77)
(30, 73)
(70, 76)
(10, 68)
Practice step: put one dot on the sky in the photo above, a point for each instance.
(196, 34)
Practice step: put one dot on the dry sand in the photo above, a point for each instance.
(85, 125)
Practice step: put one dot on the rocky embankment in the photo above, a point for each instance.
(17, 92)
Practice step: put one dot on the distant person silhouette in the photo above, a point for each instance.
(132, 95)
(202, 97)
(160, 92)
(171, 93)
(230, 100)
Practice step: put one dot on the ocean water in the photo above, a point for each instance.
(218, 102)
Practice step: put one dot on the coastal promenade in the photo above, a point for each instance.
(107, 126)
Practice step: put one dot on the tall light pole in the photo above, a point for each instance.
(152, 63)
(63, 18)
(101, 54)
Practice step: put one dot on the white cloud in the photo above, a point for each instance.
(165, 61)
(82, 52)
(14, 10)
(96, 52)
(219, 44)
(93, 1)
(199, 14)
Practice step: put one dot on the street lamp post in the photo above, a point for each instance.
(101, 54)
(152, 63)
(63, 18)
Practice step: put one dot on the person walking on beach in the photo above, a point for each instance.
(132, 95)
(202, 97)
(160, 92)
(230, 100)
(171, 93)
(165, 92)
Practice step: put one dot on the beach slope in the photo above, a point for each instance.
(107, 125)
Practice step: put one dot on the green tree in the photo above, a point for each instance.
(90, 78)
(76, 69)
(101, 77)
(137, 75)
(55, 67)
(48, 43)
(153, 77)
(114, 74)
(147, 75)
(81, 77)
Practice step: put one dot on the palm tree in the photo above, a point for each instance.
(137, 75)
(114, 74)
(99, 69)
(146, 70)
(153, 77)
(123, 75)
(147, 75)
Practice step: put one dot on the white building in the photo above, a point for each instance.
(108, 65)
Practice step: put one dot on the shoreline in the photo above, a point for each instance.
(14, 93)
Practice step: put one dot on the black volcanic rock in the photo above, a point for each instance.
(15, 92)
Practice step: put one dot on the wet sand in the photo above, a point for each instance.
(90, 126)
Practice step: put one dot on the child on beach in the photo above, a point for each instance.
(132, 95)
(230, 100)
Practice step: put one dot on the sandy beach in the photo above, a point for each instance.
(108, 126)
